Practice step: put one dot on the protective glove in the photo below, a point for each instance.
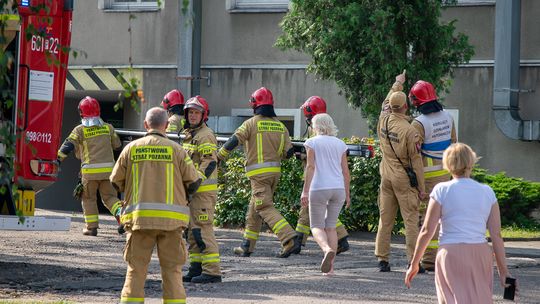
(78, 191)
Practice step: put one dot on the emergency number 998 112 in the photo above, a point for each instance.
(38, 137)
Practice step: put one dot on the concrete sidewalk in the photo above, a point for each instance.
(47, 266)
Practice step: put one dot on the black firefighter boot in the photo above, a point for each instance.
(302, 237)
(206, 278)
(342, 245)
(293, 245)
(243, 250)
(195, 269)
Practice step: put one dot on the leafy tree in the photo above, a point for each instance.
(363, 44)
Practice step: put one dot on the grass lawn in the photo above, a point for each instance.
(514, 232)
(510, 233)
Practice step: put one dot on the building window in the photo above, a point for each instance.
(475, 2)
(257, 6)
(131, 5)
(292, 118)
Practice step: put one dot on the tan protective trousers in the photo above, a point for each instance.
(261, 208)
(201, 233)
(394, 194)
(171, 252)
(428, 260)
(109, 197)
(303, 225)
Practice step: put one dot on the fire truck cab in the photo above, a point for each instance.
(37, 39)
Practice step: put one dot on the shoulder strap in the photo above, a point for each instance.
(390, 142)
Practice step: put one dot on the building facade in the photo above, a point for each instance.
(230, 51)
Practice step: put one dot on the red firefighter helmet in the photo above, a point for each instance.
(89, 107)
(422, 92)
(173, 98)
(261, 97)
(198, 103)
(313, 106)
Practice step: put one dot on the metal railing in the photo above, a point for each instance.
(354, 150)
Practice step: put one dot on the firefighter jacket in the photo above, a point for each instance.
(94, 147)
(405, 141)
(266, 142)
(154, 172)
(436, 133)
(176, 124)
(201, 145)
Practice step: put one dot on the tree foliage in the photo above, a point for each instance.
(363, 44)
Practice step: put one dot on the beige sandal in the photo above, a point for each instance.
(326, 264)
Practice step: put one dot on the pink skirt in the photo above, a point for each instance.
(464, 274)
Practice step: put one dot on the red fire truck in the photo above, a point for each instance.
(38, 35)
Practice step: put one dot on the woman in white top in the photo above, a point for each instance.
(465, 208)
(326, 185)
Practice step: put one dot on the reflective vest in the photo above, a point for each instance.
(201, 146)
(94, 147)
(437, 133)
(153, 172)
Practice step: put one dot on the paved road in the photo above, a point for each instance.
(47, 266)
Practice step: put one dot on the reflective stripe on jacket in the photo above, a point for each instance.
(266, 141)
(176, 124)
(153, 172)
(201, 145)
(156, 211)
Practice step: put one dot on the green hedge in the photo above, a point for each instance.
(234, 193)
(516, 196)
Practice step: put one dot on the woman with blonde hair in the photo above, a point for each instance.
(326, 185)
(465, 208)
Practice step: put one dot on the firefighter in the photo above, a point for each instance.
(437, 132)
(399, 187)
(201, 145)
(312, 106)
(93, 142)
(266, 142)
(173, 102)
(156, 176)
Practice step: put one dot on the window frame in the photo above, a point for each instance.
(260, 6)
(474, 2)
(114, 6)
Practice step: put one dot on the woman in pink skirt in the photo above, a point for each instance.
(465, 208)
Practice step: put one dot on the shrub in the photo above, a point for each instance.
(234, 192)
(516, 197)
(365, 179)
